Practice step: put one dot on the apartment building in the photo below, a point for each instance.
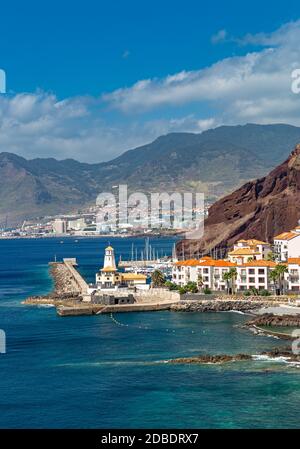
(246, 250)
(287, 245)
(209, 273)
(292, 278)
(255, 274)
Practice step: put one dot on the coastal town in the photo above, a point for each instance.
(253, 274)
(251, 266)
(86, 223)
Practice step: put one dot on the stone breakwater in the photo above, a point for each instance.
(65, 289)
(269, 319)
(221, 305)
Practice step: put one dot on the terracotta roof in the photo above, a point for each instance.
(253, 242)
(294, 260)
(192, 262)
(243, 252)
(257, 242)
(286, 236)
(260, 263)
(217, 263)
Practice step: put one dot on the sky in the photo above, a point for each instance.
(89, 80)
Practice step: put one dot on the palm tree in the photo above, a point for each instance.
(274, 278)
(200, 282)
(230, 277)
(281, 269)
(233, 276)
(277, 276)
(271, 256)
(227, 278)
(158, 278)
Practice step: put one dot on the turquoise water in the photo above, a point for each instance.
(90, 372)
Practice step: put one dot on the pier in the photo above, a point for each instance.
(70, 264)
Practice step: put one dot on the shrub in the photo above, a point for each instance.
(264, 293)
(191, 287)
(247, 293)
(172, 285)
(206, 291)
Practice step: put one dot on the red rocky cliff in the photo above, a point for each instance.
(259, 209)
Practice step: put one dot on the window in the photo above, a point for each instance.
(251, 280)
(261, 280)
(205, 270)
(261, 271)
(251, 271)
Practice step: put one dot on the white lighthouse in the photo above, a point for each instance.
(109, 259)
(110, 278)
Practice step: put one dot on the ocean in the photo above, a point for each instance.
(99, 372)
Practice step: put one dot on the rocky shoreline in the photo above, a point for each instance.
(221, 305)
(64, 290)
(224, 358)
(285, 354)
(269, 319)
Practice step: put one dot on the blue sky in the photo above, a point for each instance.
(91, 79)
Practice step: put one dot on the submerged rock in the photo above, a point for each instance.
(269, 319)
(223, 358)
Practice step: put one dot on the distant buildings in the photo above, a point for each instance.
(60, 226)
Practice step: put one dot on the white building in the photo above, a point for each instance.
(292, 278)
(110, 278)
(206, 272)
(60, 226)
(209, 273)
(245, 250)
(287, 245)
(255, 274)
(77, 224)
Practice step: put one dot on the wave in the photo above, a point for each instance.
(112, 363)
(279, 359)
(47, 306)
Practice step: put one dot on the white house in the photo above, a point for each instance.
(287, 245)
(292, 278)
(245, 250)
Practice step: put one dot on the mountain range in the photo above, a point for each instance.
(214, 162)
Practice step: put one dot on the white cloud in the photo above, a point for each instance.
(220, 36)
(39, 125)
(255, 87)
(255, 80)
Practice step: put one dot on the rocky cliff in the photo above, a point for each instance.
(259, 209)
